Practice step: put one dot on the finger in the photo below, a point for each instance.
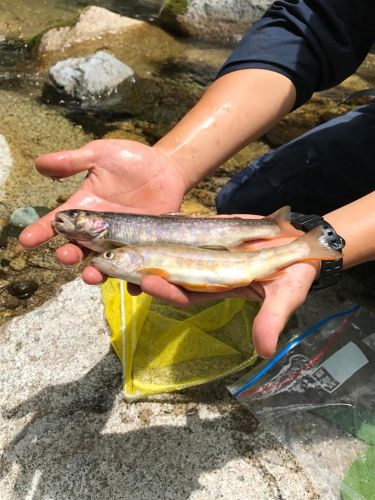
(268, 325)
(39, 232)
(92, 276)
(161, 289)
(42, 230)
(70, 254)
(65, 163)
(279, 304)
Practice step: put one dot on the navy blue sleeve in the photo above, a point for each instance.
(315, 43)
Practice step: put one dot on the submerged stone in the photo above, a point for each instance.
(23, 289)
(88, 79)
(22, 217)
(93, 23)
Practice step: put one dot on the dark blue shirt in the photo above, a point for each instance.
(315, 43)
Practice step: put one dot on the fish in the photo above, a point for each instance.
(102, 231)
(204, 270)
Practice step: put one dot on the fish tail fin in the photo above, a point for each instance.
(283, 218)
(318, 247)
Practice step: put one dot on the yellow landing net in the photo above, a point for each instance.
(165, 348)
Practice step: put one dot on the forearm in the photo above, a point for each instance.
(356, 224)
(235, 110)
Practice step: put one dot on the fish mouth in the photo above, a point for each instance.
(63, 223)
(100, 264)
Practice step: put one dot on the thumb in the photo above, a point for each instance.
(65, 163)
(270, 322)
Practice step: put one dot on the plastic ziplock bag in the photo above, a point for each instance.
(164, 348)
(317, 396)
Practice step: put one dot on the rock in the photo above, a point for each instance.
(93, 23)
(22, 217)
(89, 79)
(143, 46)
(3, 283)
(23, 289)
(220, 20)
(59, 376)
(3, 232)
(18, 264)
(27, 130)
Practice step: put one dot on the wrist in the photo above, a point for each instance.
(176, 165)
(328, 272)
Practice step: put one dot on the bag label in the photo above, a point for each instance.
(339, 367)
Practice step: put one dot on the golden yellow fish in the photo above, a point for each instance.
(203, 270)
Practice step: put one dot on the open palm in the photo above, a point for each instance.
(124, 176)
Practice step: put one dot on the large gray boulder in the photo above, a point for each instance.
(89, 79)
(66, 432)
(220, 20)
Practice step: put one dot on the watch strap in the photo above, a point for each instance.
(330, 270)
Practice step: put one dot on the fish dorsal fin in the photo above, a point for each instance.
(281, 215)
(283, 218)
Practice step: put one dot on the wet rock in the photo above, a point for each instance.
(3, 283)
(141, 45)
(88, 79)
(9, 303)
(23, 289)
(220, 20)
(3, 232)
(93, 23)
(44, 260)
(18, 264)
(22, 217)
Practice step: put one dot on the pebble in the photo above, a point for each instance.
(22, 217)
(10, 304)
(3, 284)
(3, 233)
(18, 264)
(23, 289)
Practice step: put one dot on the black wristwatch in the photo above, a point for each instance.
(330, 271)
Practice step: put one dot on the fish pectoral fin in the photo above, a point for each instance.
(195, 287)
(274, 276)
(155, 271)
(116, 243)
(213, 247)
(259, 244)
(247, 246)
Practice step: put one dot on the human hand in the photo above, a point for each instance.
(279, 297)
(123, 176)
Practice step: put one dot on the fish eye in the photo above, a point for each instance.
(108, 255)
(74, 213)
